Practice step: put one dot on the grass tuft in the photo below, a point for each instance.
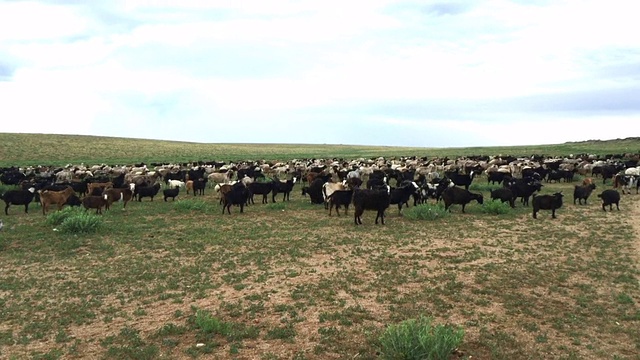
(73, 220)
(420, 339)
(426, 212)
(496, 208)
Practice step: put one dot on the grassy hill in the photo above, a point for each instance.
(31, 149)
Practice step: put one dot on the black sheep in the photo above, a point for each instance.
(547, 202)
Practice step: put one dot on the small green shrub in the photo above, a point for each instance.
(82, 223)
(496, 208)
(210, 324)
(56, 218)
(420, 339)
(276, 206)
(75, 220)
(426, 212)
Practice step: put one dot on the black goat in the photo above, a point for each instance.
(461, 179)
(314, 190)
(402, 194)
(456, 195)
(610, 197)
(171, 193)
(340, 198)
(497, 177)
(370, 200)
(18, 197)
(199, 185)
(523, 188)
(238, 195)
(547, 202)
(582, 192)
(146, 191)
(284, 187)
(505, 195)
(260, 188)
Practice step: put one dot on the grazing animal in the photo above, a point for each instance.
(547, 202)
(146, 191)
(340, 198)
(73, 200)
(189, 186)
(402, 194)
(456, 195)
(626, 182)
(504, 195)
(523, 188)
(497, 177)
(48, 197)
(95, 202)
(171, 193)
(582, 192)
(98, 187)
(328, 188)
(238, 195)
(610, 197)
(222, 189)
(18, 197)
(461, 179)
(314, 190)
(198, 186)
(173, 183)
(119, 194)
(587, 181)
(282, 186)
(370, 199)
(260, 188)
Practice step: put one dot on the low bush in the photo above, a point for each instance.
(75, 220)
(496, 208)
(426, 212)
(420, 339)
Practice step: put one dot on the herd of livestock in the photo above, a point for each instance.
(363, 183)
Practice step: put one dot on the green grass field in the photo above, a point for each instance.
(40, 149)
(179, 280)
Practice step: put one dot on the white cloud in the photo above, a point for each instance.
(437, 67)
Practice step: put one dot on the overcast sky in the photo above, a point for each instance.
(375, 72)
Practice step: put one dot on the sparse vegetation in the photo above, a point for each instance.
(179, 280)
(420, 339)
(427, 212)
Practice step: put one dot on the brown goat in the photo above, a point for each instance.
(116, 194)
(48, 197)
(95, 202)
(98, 185)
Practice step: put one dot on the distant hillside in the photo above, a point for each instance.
(50, 149)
